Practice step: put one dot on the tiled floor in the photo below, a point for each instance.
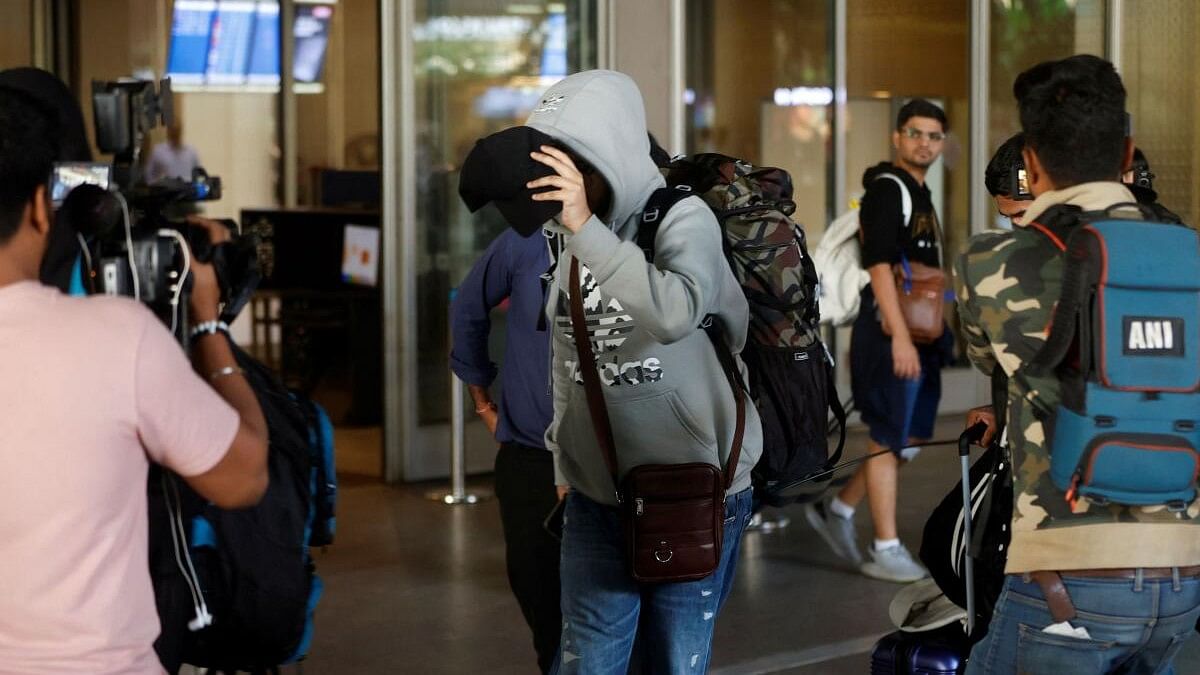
(414, 586)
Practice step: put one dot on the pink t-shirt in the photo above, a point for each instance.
(91, 391)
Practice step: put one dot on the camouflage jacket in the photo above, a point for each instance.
(1008, 284)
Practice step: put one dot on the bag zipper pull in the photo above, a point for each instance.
(638, 507)
(1072, 491)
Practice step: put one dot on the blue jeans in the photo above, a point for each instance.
(601, 603)
(1135, 628)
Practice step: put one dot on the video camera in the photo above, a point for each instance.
(134, 240)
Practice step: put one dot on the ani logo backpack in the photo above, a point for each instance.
(1125, 346)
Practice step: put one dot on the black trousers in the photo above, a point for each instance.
(525, 490)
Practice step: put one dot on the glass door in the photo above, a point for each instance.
(480, 66)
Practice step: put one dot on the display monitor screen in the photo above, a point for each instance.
(312, 37)
(191, 28)
(360, 255)
(230, 42)
(235, 43)
(264, 54)
(70, 175)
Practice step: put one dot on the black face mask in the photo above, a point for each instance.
(62, 249)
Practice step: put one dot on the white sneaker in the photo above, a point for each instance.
(894, 563)
(838, 532)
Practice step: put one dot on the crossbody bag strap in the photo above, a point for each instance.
(591, 378)
(729, 365)
(941, 241)
(595, 395)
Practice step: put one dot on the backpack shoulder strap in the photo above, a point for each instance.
(906, 203)
(660, 202)
(1058, 226)
(729, 364)
(1058, 222)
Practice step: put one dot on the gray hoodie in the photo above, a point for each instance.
(668, 399)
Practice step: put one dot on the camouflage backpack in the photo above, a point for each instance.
(791, 372)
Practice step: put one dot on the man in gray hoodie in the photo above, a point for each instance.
(668, 399)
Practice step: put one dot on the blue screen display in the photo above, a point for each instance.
(236, 42)
(229, 52)
(264, 55)
(554, 50)
(190, 31)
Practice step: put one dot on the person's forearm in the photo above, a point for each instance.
(481, 396)
(214, 361)
(883, 284)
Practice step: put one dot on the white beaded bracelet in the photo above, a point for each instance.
(209, 328)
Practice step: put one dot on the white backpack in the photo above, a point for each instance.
(838, 259)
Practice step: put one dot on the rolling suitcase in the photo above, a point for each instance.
(938, 652)
(943, 651)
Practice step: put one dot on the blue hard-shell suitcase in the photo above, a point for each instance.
(902, 653)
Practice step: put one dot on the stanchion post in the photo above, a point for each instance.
(458, 445)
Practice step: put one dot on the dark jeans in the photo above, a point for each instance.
(525, 490)
(894, 409)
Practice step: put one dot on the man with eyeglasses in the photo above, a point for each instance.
(896, 384)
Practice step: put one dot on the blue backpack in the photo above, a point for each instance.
(1125, 346)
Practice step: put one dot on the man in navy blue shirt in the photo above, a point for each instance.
(511, 268)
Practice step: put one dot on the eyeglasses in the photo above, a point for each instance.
(916, 134)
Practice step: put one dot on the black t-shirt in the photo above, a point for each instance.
(885, 234)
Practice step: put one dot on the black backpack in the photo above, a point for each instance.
(943, 546)
(944, 549)
(249, 570)
(791, 372)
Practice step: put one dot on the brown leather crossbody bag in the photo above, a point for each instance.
(921, 291)
(673, 515)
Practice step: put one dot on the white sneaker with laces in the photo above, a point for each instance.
(838, 532)
(894, 563)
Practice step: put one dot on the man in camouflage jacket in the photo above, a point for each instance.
(1104, 560)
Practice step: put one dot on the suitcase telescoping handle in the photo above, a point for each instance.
(973, 434)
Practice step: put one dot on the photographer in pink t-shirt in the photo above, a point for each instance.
(92, 390)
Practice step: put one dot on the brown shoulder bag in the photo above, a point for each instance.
(673, 515)
(921, 291)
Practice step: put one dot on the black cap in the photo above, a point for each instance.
(497, 170)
